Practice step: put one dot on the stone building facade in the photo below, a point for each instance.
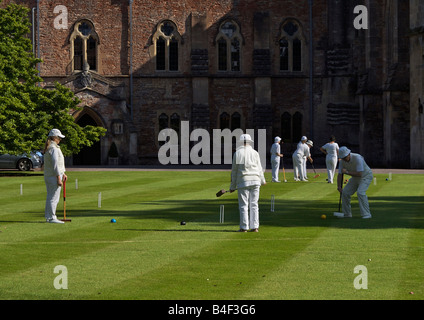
(291, 67)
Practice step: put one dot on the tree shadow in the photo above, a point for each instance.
(17, 173)
(387, 212)
(21, 221)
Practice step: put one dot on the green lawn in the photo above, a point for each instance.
(147, 254)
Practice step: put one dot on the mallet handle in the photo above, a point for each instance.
(64, 199)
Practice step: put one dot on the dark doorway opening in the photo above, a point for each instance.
(88, 155)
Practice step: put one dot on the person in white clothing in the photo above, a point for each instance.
(54, 174)
(303, 140)
(276, 155)
(353, 164)
(310, 144)
(247, 177)
(331, 151)
(298, 156)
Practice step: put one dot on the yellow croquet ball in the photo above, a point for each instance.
(323, 216)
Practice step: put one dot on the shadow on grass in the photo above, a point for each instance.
(387, 212)
(17, 173)
(22, 221)
(182, 229)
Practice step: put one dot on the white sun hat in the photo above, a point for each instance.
(246, 138)
(56, 133)
(343, 152)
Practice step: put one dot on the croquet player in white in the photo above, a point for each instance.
(353, 164)
(302, 152)
(310, 144)
(247, 177)
(276, 155)
(300, 143)
(331, 149)
(54, 174)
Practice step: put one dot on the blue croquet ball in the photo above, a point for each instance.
(387, 179)
(113, 220)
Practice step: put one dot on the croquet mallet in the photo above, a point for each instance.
(338, 213)
(64, 203)
(284, 171)
(221, 192)
(316, 175)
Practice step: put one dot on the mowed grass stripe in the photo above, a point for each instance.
(219, 268)
(81, 203)
(98, 267)
(10, 198)
(400, 203)
(72, 255)
(214, 268)
(63, 236)
(136, 192)
(325, 260)
(77, 208)
(150, 256)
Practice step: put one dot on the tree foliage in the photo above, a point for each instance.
(27, 110)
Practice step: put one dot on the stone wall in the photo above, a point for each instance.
(361, 78)
(417, 84)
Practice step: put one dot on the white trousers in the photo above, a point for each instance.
(360, 186)
(331, 163)
(305, 173)
(298, 166)
(248, 198)
(275, 165)
(53, 197)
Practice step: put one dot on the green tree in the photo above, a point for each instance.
(27, 110)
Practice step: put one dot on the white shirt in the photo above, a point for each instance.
(275, 149)
(331, 149)
(302, 150)
(246, 169)
(54, 162)
(356, 163)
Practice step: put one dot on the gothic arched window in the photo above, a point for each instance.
(297, 126)
(175, 122)
(224, 121)
(291, 47)
(167, 42)
(84, 46)
(229, 46)
(286, 125)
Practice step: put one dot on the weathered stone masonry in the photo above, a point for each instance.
(367, 85)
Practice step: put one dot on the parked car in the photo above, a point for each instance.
(22, 162)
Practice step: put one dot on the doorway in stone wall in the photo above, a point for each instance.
(88, 155)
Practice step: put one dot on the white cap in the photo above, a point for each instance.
(56, 133)
(343, 152)
(309, 142)
(304, 138)
(277, 139)
(245, 138)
